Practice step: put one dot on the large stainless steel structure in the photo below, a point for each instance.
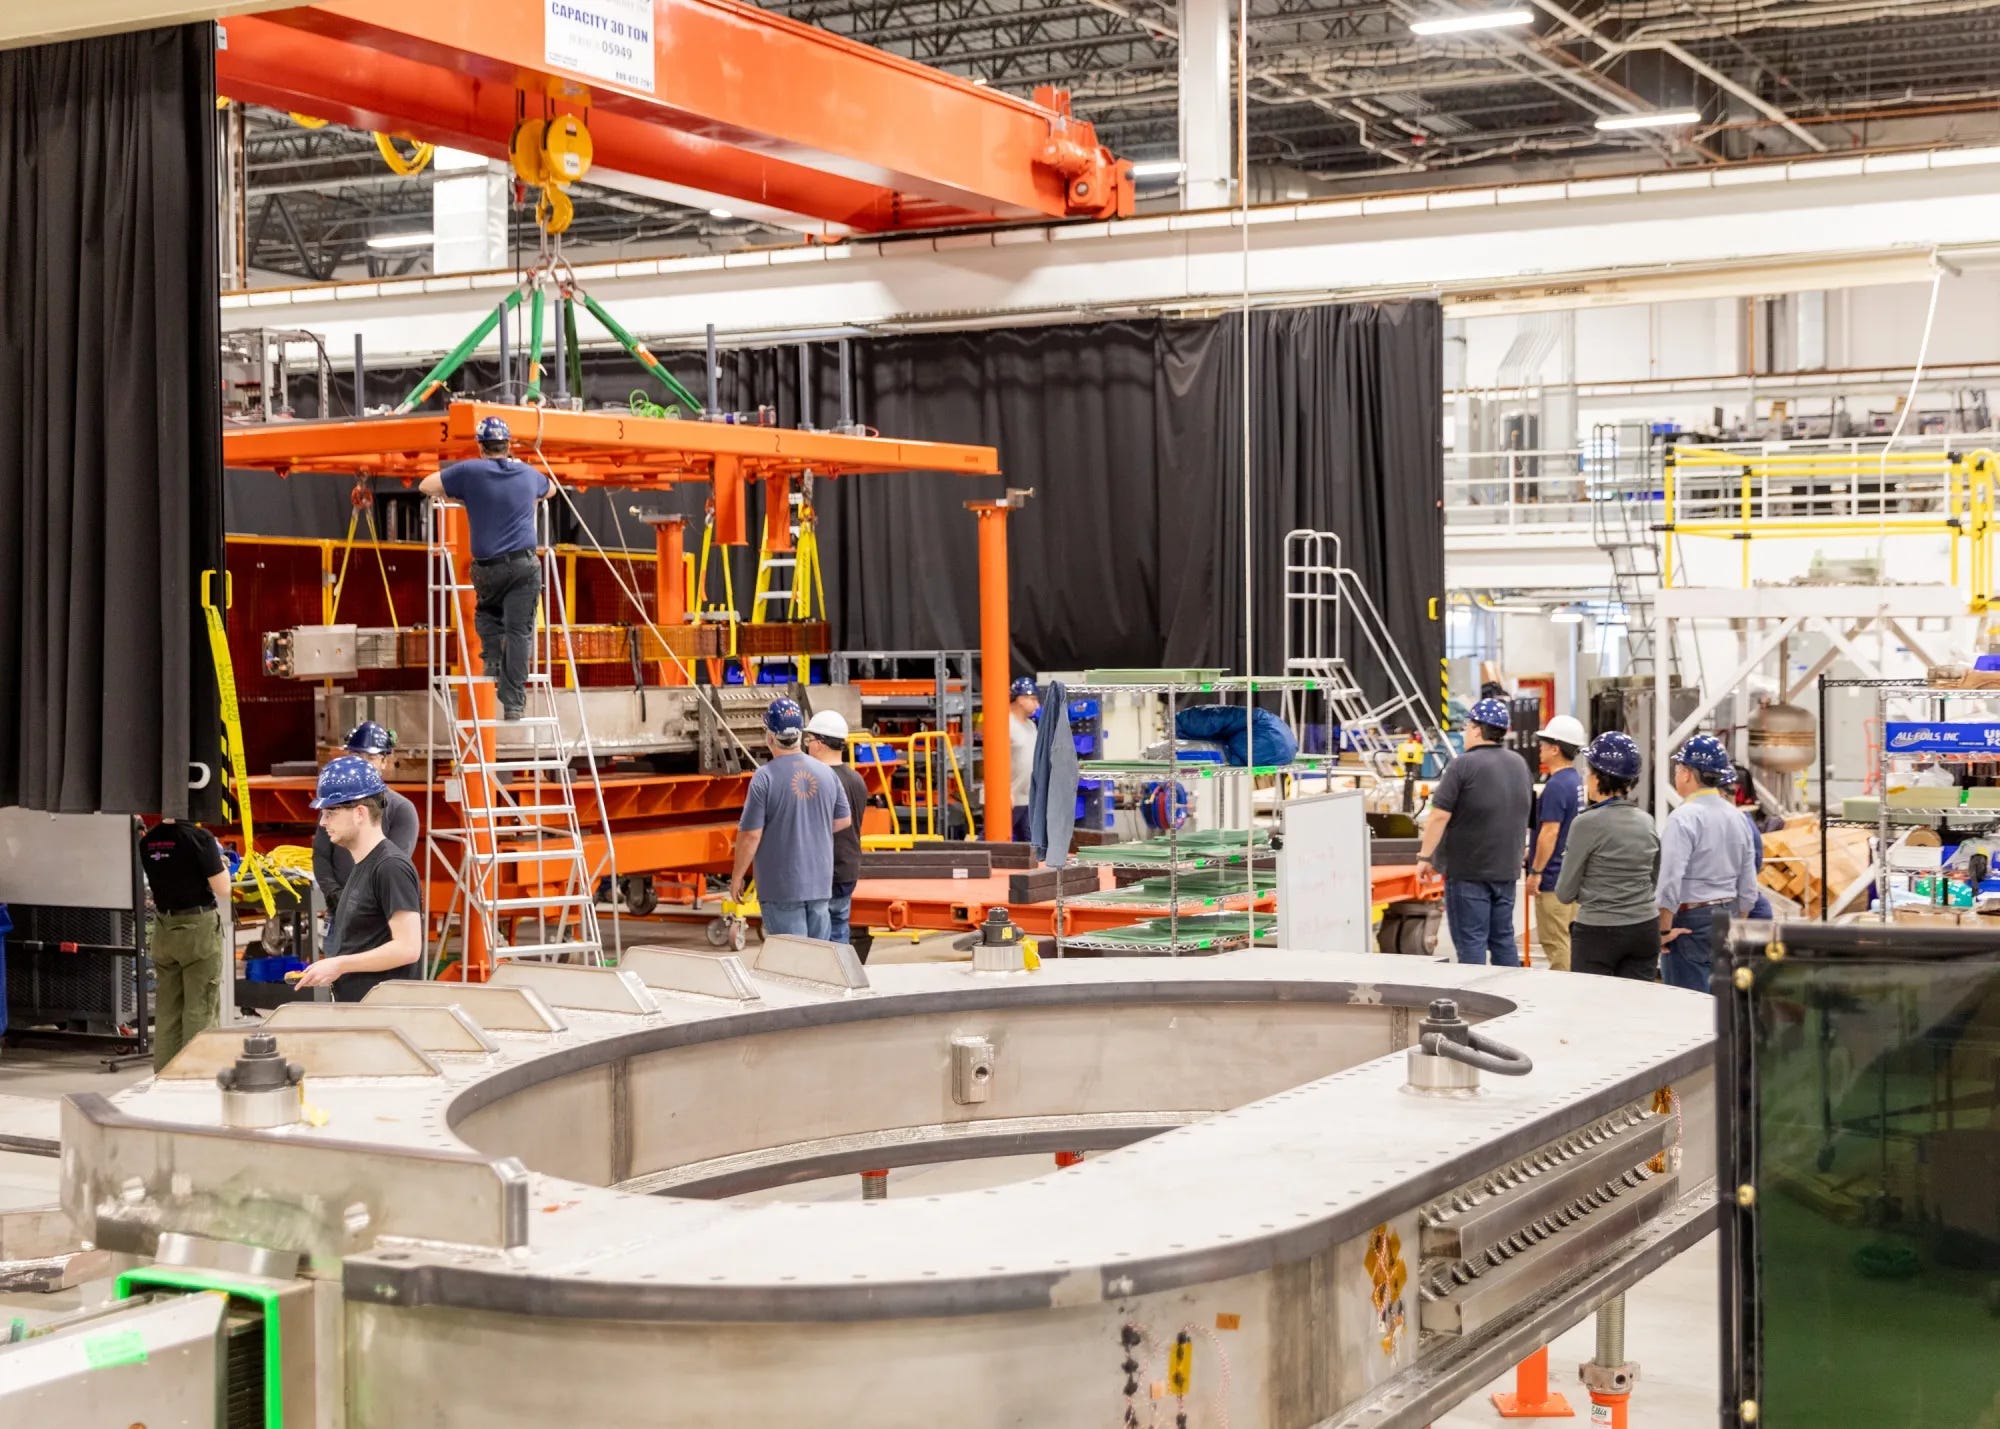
(1282, 1231)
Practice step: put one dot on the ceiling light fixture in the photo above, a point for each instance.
(1662, 119)
(1158, 169)
(1459, 24)
(400, 240)
(1566, 617)
(720, 213)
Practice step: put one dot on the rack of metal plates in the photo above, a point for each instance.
(1938, 735)
(1205, 885)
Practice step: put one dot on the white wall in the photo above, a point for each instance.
(1875, 327)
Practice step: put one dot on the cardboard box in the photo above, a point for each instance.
(1926, 917)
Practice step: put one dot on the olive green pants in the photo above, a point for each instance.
(187, 979)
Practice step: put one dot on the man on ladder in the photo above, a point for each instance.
(332, 865)
(499, 495)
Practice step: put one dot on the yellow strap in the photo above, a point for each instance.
(346, 550)
(382, 565)
(232, 737)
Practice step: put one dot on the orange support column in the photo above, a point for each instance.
(475, 700)
(670, 589)
(1531, 1398)
(995, 661)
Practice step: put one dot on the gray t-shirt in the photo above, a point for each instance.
(1489, 794)
(796, 801)
(1610, 865)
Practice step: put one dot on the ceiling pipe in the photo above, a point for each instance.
(1707, 71)
(1165, 30)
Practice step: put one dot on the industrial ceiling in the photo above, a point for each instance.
(1342, 97)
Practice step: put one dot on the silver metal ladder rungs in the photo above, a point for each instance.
(470, 679)
(507, 723)
(521, 766)
(548, 950)
(565, 853)
(517, 811)
(559, 900)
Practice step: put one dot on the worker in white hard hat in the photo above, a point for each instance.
(1562, 796)
(826, 741)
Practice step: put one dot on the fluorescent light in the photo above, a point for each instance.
(720, 213)
(400, 240)
(1459, 24)
(1566, 617)
(1158, 169)
(1663, 119)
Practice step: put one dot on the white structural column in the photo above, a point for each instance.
(468, 213)
(1205, 111)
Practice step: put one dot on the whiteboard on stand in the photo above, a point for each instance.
(1325, 889)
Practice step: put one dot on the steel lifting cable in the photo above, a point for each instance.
(638, 605)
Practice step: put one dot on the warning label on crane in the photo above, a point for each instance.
(604, 39)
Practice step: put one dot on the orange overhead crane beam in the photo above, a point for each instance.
(721, 97)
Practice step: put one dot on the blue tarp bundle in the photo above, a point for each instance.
(1268, 741)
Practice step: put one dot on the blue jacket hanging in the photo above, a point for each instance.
(1052, 793)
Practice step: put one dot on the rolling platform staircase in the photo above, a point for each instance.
(523, 881)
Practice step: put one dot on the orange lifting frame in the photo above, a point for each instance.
(595, 449)
(745, 104)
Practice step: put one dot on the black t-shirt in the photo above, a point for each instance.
(847, 841)
(383, 883)
(1489, 796)
(179, 859)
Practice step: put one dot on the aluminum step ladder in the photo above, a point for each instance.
(521, 870)
(1323, 597)
(1623, 495)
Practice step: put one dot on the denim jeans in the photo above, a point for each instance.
(799, 920)
(837, 909)
(507, 592)
(1688, 960)
(1481, 919)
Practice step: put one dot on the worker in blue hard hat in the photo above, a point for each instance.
(377, 933)
(1022, 706)
(1610, 868)
(1477, 837)
(792, 810)
(1707, 864)
(331, 864)
(500, 495)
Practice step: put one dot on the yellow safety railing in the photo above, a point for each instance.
(1723, 494)
(930, 784)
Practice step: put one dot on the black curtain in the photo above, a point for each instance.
(110, 436)
(1130, 552)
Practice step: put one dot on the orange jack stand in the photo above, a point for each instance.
(1607, 1411)
(1531, 1397)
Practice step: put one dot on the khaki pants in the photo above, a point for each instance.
(1552, 920)
(187, 979)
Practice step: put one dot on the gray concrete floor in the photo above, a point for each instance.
(1671, 1317)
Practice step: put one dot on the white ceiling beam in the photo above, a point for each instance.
(1539, 242)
